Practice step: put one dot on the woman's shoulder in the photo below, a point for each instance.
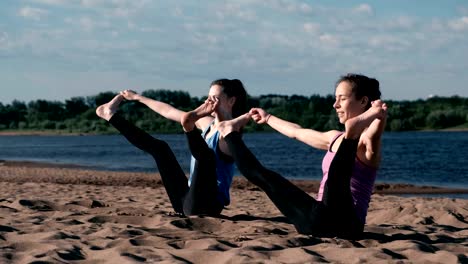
(204, 123)
(332, 137)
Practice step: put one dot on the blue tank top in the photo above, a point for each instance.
(224, 169)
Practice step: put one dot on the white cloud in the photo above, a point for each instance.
(402, 22)
(389, 42)
(5, 43)
(244, 60)
(178, 12)
(117, 7)
(305, 8)
(329, 41)
(311, 27)
(91, 3)
(51, 2)
(463, 10)
(3, 37)
(437, 25)
(236, 10)
(205, 39)
(88, 24)
(149, 29)
(283, 40)
(364, 9)
(283, 5)
(32, 13)
(459, 24)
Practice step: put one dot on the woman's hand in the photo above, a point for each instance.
(189, 119)
(209, 106)
(380, 109)
(129, 95)
(259, 115)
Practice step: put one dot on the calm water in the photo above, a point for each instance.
(423, 158)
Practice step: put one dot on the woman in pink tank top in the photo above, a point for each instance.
(349, 166)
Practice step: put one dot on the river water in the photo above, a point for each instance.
(422, 158)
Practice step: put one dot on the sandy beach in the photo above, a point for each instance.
(65, 214)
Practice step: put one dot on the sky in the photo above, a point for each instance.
(59, 49)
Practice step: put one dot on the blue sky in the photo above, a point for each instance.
(58, 49)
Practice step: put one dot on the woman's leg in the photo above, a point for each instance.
(307, 214)
(202, 194)
(172, 175)
(337, 193)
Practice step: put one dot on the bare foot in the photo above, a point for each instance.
(188, 119)
(356, 125)
(106, 111)
(226, 127)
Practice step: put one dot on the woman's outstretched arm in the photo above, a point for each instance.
(313, 138)
(164, 109)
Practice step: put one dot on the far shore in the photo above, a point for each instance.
(41, 133)
(66, 133)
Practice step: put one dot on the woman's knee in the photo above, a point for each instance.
(157, 145)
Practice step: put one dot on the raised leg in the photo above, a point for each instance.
(307, 214)
(202, 194)
(172, 175)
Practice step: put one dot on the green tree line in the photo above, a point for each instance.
(77, 114)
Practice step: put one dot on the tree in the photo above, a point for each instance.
(40, 110)
(77, 114)
(75, 106)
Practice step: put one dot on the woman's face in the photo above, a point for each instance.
(225, 103)
(346, 104)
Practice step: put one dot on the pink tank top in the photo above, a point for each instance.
(362, 182)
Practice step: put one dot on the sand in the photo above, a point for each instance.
(64, 214)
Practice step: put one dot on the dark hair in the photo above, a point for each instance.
(234, 88)
(362, 86)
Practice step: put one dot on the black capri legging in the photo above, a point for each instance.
(198, 198)
(333, 216)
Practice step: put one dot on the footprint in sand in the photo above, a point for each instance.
(72, 222)
(303, 241)
(131, 233)
(89, 203)
(209, 244)
(71, 254)
(6, 210)
(7, 229)
(199, 224)
(133, 211)
(134, 257)
(39, 205)
(125, 219)
(63, 235)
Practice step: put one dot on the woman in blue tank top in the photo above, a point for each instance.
(211, 171)
(349, 166)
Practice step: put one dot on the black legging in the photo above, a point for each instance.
(333, 216)
(201, 196)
